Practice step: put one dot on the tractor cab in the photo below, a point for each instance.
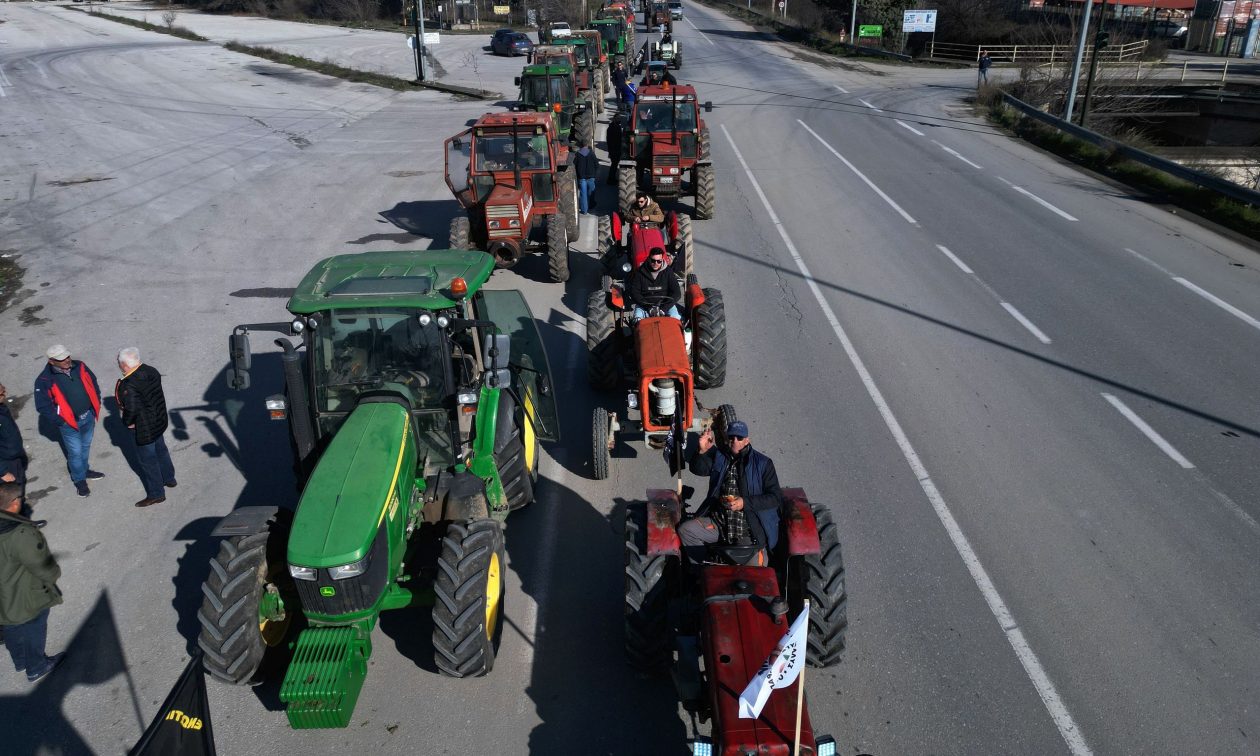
(573, 52)
(509, 171)
(552, 88)
(665, 139)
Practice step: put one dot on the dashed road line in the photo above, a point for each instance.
(867, 104)
(1045, 687)
(853, 168)
(842, 89)
(1148, 431)
(1038, 200)
(1010, 308)
(1226, 306)
(1025, 322)
(702, 34)
(905, 125)
(956, 154)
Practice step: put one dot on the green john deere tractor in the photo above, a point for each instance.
(416, 403)
(552, 87)
(618, 40)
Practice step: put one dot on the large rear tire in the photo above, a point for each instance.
(705, 190)
(604, 243)
(687, 244)
(468, 610)
(650, 581)
(704, 143)
(601, 455)
(709, 340)
(584, 125)
(722, 420)
(567, 184)
(461, 233)
(822, 578)
(627, 186)
(250, 607)
(557, 249)
(601, 346)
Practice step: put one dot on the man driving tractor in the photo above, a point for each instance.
(654, 285)
(646, 210)
(755, 492)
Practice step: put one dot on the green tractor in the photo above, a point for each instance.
(551, 87)
(618, 40)
(416, 404)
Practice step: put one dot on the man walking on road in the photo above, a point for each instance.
(587, 166)
(143, 407)
(12, 452)
(28, 587)
(66, 393)
(619, 77)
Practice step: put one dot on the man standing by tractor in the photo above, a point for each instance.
(67, 394)
(28, 587)
(758, 492)
(143, 407)
(654, 285)
(619, 77)
(586, 164)
(612, 138)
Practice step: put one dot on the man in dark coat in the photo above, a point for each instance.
(612, 137)
(28, 587)
(619, 77)
(654, 285)
(586, 164)
(66, 393)
(12, 452)
(759, 493)
(143, 408)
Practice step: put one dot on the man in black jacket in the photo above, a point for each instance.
(612, 139)
(143, 407)
(586, 164)
(654, 285)
(12, 452)
(759, 494)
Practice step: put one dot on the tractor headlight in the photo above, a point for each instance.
(301, 573)
(702, 747)
(673, 171)
(466, 397)
(443, 321)
(425, 318)
(297, 326)
(658, 171)
(632, 401)
(625, 267)
(348, 570)
(826, 746)
(514, 223)
(493, 224)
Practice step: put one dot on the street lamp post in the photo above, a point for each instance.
(1076, 64)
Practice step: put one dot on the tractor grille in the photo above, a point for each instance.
(666, 161)
(501, 211)
(502, 222)
(352, 594)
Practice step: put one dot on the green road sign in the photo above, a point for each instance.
(870, 30)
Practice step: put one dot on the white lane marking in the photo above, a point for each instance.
(1004, 181)
(1025, 322)
(867, 104)
(1236, 510)
(1067, 726)
(3, 80)
(1010, 308)
(842, 89)
(1226, 306)
(956, 154)
(905, 125)
(962, 265)
(693, 26)
(1149, 262)
(1148, 431)
(853, 168)
(1041, 202)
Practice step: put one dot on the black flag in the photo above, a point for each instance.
(182, 725)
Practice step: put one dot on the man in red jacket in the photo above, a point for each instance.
(67, 394)
(143, 407)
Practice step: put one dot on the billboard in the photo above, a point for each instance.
(918, 21)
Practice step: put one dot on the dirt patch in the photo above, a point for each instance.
(10, 278)
(405, 174)
(30, 316)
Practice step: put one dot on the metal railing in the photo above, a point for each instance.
(1034, 53)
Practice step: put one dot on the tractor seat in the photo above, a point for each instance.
(742, 556)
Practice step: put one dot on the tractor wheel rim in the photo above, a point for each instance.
(494, 595)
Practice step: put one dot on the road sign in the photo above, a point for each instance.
(502, 10)
(411, 42)
(782, 5)
(918, 21)
(870, 30)
(432, 38)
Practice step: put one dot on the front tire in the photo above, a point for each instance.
(468, 610)
(557, 249)
(709, 343)
(601, 455)
(627, 186)
(687, 244)
(567, 184)
(705, 189)
(648, 587)
(601, 347)
(250, 607)
(461, 233)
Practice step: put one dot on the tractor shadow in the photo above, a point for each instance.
(430, 219)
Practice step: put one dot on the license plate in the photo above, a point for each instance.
(667, 179)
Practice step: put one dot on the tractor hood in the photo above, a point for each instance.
(419, 279)
(355, 486)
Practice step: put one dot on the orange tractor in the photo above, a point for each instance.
(510, 171)
(662, 359)
(665, 141)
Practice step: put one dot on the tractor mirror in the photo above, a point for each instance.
(238, 380)
(498, 351)
(239, 354)
(708, 106)
(518, 81)
(457, 143)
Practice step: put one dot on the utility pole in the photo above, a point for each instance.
(1101, 38)
(1076, 64)
(853, 25)
(417, 21)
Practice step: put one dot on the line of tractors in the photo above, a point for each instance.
(417, 400)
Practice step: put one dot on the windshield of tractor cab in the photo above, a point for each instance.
(370, 350)
(546, 89)
(494, 152)
(656, 117)
(610, 32)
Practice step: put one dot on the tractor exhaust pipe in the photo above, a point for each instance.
(506, 253)
(299, 405)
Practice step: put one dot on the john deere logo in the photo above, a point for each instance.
(328, 591)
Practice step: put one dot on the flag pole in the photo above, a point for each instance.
(800, 700)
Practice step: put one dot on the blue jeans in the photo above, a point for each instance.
(156, 469)
(77, 443)
(640, 313)
(26, 644)
(586, 189)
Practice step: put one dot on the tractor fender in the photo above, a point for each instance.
(663, 513)
(466, 499)
(802, 529)
(244, 521)
(617, 229)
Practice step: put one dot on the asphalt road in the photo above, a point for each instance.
(1022, 391)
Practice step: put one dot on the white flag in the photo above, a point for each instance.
(779, 670)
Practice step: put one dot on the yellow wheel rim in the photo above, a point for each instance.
(494, 594)
(273, 632)
(531, 444)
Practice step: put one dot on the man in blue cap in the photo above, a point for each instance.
(758, 494)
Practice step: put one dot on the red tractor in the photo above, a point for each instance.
(665, 359)
(731, 612)
(664, 141)
(511, 173)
